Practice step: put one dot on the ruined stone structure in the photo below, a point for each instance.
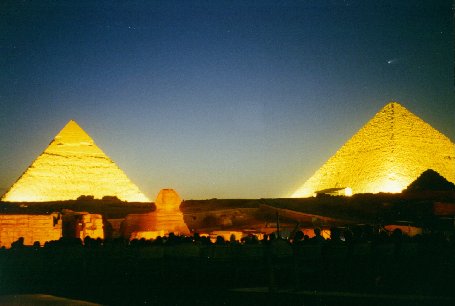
(168, 215)
(73, 165)
(43, 228)
(82, 224)
(136, 225)
(385, 155)
(32, 228)
(166, 219)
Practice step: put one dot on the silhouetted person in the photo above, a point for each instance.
(36, 245)
(298, 238)
(348, 236)
(317, 236)
(158, 241)
(205, 240)
(219, 240)
(172, 239)
(232, 239)
(335, 235)
(397, 238)
(18, 244)
(89, 242)
(197, 238)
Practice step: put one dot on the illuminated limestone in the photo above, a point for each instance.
(168, 199)
(43, 228)
(166, 219)
(385, 155)
(139, 226)
(82, 224)
(32, 228)
(168, 215)
(73, 165)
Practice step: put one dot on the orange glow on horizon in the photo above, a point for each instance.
(147, 235)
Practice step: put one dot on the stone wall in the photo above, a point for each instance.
(50, 227)
(82, 224)
(92, 226)
(32, 228)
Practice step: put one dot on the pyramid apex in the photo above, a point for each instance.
(393, 108)
(392, 104)
(72, 122)
(72, 132)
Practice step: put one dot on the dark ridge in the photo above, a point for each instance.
(110, 208)
(430, 180)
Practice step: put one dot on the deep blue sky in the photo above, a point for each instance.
(224, 99)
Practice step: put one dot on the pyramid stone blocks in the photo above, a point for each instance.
(385, 155)
(73, 165)
(32, 228)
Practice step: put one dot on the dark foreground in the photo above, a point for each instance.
(275, 273)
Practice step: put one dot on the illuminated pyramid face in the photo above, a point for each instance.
(72, 165)
(385, 155)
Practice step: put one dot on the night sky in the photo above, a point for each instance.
(217, 99)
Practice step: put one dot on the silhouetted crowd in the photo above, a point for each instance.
(342, 236)
(121, 271)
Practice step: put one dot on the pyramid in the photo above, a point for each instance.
(430, 180)
(385, 155)
(72, 165)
